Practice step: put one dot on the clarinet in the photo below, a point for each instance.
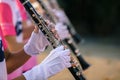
(70, 41)
(40, 22)
(74, 34)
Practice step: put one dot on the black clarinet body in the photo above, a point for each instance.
(39, 21)
(76, 37)
(69, 41)
(77, 53)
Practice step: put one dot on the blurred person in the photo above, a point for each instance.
(57, 60)
(12, 32)
(6, 28)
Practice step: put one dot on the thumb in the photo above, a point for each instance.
(36, 30)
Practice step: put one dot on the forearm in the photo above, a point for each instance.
(15, 48)
(13, 45)
(14, 61)
(27, 32)
(27, 29)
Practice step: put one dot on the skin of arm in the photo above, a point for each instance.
(13, 45)
(27, 29)
(36, 30)
(17, 59)
(14, 61)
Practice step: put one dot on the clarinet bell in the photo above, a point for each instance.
(83, 63)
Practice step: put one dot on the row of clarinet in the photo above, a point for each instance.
(76, 69)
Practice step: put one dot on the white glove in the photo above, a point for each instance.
(56, 61)
(36, 44)
(60, 15)
(62, 31)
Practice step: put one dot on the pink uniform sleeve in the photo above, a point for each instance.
(6, 20)
(23, 12)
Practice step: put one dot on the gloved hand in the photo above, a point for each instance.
(56, 61)
(37, 43)
(62, 31)
(59, 30)
(60, 15)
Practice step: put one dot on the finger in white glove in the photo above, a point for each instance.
(59, 51)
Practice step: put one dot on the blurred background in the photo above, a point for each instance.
(94, 17)
(98, 23)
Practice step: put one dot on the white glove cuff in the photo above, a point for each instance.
(36, 73)
(36, 44)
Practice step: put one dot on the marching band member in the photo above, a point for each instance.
(12, 32)
(11, 62)
(56, 61)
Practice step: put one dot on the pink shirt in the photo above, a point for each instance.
(10, 23)
(6, 20)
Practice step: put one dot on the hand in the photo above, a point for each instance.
(59, 30)
(62, 31)
(37, 43)
(56, 61)
(60, 15)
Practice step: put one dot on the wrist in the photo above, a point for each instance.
(28, 48)
(36, 44)
(36, 73)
